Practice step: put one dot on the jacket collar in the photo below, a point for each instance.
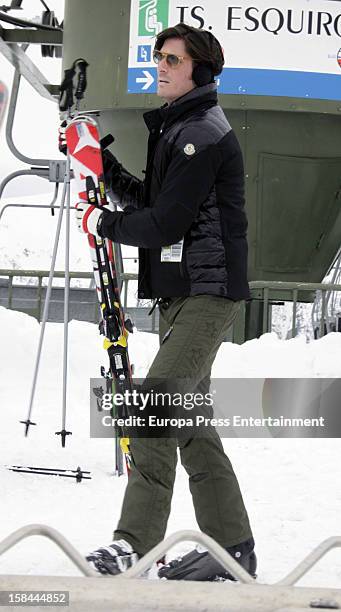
(194, 94)
(169, 113)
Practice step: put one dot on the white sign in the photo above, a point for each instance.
(272, 47)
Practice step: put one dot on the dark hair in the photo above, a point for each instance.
(201, 45)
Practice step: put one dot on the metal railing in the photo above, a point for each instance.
(272, 291)
(29, 298)
(267, 292)
(217, 551)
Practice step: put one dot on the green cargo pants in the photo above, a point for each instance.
(191, 332)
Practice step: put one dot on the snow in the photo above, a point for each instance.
(270, 357)
(289, 485)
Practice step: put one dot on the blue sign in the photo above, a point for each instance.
(142, 80)
(282, 83)
(254, 82)
(144, 53)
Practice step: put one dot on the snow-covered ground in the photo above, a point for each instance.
(290, 485)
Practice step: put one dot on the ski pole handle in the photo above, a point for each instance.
(82, 82)
(67, 86)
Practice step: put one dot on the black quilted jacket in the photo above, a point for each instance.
(193, 190)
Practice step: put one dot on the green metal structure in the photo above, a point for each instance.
(291, 148)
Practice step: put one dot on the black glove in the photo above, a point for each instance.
(122, 186)
(111, 166)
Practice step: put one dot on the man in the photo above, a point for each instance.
(192, 199)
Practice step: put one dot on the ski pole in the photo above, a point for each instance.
(63, 433)
(28, 421)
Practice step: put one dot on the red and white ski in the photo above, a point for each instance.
(84, 148)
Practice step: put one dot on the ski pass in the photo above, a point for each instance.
(172, 253)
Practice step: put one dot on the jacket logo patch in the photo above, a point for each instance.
(189, 149)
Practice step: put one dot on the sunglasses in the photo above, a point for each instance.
(171, 59)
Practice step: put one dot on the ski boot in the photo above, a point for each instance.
(114, 559)
(200, 565)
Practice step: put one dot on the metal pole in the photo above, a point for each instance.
(294, 312)
(51, 206)
(28, 421)
(30, 172)
(55, 536)
(323, 314)
(265, 310)
(63, 433)
(10, 120)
